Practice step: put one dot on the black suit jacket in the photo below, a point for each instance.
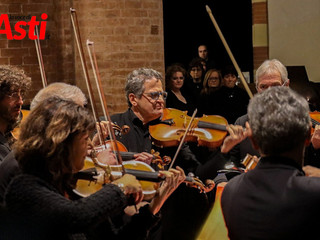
(273, 201)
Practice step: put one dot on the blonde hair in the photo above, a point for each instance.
(206, 89)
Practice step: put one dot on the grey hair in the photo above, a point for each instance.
(137, 78)
(279, 119)
(271, 67)
(62, 90)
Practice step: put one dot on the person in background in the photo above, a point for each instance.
(270, 73)
(203, 53)
(209, 101)
(233, 99)
(14, 84)
(275, 200)
(194, 81)
(51, 148)
(175, 77)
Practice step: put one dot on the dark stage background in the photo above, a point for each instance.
(187, 24)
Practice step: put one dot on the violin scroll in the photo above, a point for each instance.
(192, 181)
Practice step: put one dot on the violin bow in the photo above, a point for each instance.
(93, 60)
(183, 138)
(75, 25)
(229, 52)
(40, 59)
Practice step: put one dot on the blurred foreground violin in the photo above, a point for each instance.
(208, 131)
(94, 175)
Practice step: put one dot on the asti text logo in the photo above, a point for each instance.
(21, 26)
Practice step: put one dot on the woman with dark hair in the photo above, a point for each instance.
(175, 77)
(194, 81)
(233, 100)
(51, 148)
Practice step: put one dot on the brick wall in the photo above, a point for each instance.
(127, 34)
(56, 50)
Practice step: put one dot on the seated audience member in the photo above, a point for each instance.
(13, 86)
(211, 83)
(275, 200)
(175, 77)
(203, 53)
(233, 100)
(194, 81)
(52, 146)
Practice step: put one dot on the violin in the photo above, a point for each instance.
(88, 183)
(208, 131)
(315, 119)
(126, 155)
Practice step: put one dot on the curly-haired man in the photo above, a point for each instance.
(13, 86)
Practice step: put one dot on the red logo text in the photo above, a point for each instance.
(4, 20)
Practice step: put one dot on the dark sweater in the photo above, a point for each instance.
(35, 210)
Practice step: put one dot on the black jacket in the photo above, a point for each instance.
(273, 201)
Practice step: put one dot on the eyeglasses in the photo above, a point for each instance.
(15, 95)
(155, 95)
(213, 78)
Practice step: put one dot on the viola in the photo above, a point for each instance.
(208, 131)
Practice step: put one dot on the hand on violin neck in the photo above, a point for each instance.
(236, 135)
(144, 157)
(315, 139)
(311, 171)
(107, 157)
(102, 133)
(131, 187)
(174, 177)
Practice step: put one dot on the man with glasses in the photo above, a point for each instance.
(146, 101)
(275, 200)
(270, 73)
(13, 86)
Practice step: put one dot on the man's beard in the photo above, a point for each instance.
(11, 121)
(14, 123)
